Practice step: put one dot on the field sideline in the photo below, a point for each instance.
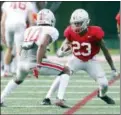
(27, 98)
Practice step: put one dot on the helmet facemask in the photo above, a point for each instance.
(85, 24)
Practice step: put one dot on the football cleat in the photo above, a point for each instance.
(107, 99)
(46, 101)
(61, 104)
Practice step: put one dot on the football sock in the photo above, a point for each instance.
(53, 87)
(102, 91)
(103, 86)
(8, 89)
(64, 79)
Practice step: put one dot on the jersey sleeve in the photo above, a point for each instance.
(118, 18)
(67, 33)
(54, 34)
(99, 33)
(5, 6)
(51, 31)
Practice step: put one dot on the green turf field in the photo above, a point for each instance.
(27, 98)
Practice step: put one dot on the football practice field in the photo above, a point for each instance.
(26, 99)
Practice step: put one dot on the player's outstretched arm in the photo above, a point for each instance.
(42, 48)
(107, 54)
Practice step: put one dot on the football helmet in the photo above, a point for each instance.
(45, 16)
(80, 17)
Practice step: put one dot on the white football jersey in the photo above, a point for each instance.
(37, 33)
(17, 11)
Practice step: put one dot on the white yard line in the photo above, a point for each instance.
(39, 81)
(32, 98)
(92, 107)
(72, 86)
(103, 106)
(41, 92)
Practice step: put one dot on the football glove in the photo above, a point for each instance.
(114, 74)
(35, 72)
(64, 51)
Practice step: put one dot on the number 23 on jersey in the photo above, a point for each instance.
(77, 47)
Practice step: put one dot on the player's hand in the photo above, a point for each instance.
(60, 53)
(64, 52)
(35, 72)
(114, 74)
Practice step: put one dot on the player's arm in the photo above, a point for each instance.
(118, 28)
(3, 19)
(107, 54)
(65, 48)
(42, 48)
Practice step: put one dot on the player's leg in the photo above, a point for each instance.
(2, 59)
(22, 71)
(95, 71)
(13, 61)
(73, 67)
(18, 39)
(8, 53)
(61, 81)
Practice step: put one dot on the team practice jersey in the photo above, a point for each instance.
(85, 46)
(17, 11)
(35, 35)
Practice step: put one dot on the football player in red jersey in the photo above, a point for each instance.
(86, 41)
(118, 23)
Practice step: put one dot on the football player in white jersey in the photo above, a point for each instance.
(13, 25)
(33, 50)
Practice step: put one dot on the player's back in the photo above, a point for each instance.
(16, 11)
(34, 37)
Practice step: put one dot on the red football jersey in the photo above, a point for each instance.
(118, 18)
(85, 47)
